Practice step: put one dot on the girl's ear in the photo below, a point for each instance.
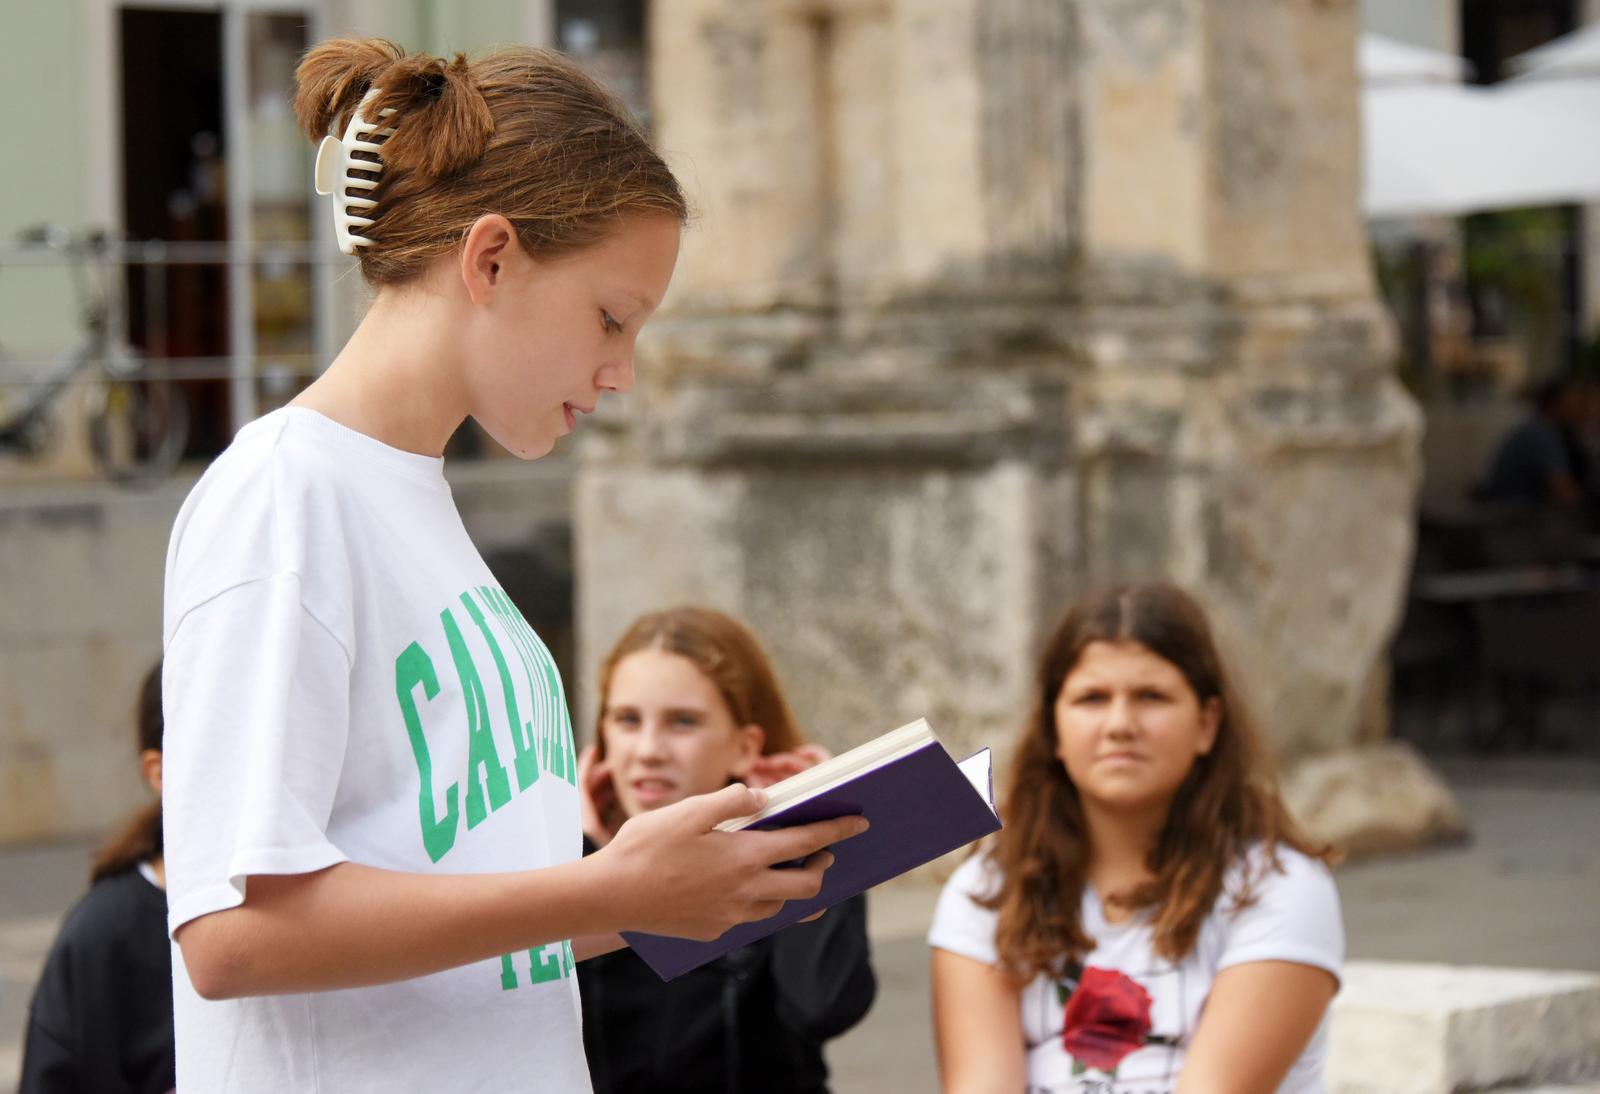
(1210, 723)
(150, 768)
(751, 739)
(490, 242)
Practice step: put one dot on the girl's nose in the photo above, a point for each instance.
(1119, 716)
(652, 740)
(617, 376)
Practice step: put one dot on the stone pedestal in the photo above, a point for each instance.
(987, 302)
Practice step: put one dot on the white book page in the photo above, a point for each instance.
(979, 770)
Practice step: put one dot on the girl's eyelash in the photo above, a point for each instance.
(608, 322)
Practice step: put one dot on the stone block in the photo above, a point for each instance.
(1401, 1028)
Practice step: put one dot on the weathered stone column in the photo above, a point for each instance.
(993, 299)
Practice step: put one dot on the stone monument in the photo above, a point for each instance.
(987, 301)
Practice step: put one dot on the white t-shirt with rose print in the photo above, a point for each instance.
(1120, 1021)
(344, 681)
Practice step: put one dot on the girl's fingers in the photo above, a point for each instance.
(804, 841)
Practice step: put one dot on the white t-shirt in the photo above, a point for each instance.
(1295, 918)
(345, 681)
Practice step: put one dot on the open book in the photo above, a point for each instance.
(922, 804)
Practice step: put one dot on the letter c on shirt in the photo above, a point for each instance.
(411, 668)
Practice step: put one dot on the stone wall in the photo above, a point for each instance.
(81, 564)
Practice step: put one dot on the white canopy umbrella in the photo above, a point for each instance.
(1441, 149)
(1576, 54)
(1385, 62)
(1560, 81)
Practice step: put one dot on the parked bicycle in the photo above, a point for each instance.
(137, 420)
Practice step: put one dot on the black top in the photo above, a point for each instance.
(101, 1019)
(751, 1021)
(1525, 461)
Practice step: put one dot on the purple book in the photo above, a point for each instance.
(921, 803)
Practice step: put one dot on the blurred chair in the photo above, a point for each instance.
(1431, 661)
(1486, 536)
(1531, 650)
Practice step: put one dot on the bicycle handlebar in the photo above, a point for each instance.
(58, 238)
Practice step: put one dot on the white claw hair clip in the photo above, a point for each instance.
(335, 172)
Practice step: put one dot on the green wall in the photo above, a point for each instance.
(43, 105)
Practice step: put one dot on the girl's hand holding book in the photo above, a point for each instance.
(673, 873)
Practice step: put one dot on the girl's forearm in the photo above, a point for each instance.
(354, 926)
(670, 872)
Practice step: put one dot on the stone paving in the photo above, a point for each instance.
(1522, 893)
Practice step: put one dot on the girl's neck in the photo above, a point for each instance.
(1120, 843)
(397, 379)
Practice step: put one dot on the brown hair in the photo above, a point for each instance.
(139, 840)
(520, 131)
(1228, 802)
(728, 654)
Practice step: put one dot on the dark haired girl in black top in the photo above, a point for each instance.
(101, 1018)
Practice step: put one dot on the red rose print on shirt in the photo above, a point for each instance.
(1107, 1017)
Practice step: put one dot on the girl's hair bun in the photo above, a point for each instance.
(521, 132)
(450, 124)
(441, 121)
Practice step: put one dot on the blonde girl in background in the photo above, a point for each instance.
(688, 704)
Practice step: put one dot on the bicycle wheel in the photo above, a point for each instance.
(138, 426)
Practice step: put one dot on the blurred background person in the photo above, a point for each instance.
(689, 703)
(1544, 459)
(1149, 916)
(101, 1019)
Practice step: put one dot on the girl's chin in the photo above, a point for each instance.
(1125, 798)
(523, 447)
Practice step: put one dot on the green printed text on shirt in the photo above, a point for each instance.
(540, 732)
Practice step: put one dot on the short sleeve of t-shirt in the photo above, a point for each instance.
(960, 925)
(1295, 916)
(254, 743)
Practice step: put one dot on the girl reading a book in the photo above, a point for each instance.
(373, 844)
(1149, 919)
(689, 702)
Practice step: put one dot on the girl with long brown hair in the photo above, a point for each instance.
(373, 848)
(1149, 919)
(688, 703)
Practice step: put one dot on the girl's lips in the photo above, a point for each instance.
(1122, 758)
(653, 790)
(571, 411)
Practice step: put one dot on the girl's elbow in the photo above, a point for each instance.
(215, 966)
(852, 1006)
(835, 1012)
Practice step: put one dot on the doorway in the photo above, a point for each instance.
(173, 191)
